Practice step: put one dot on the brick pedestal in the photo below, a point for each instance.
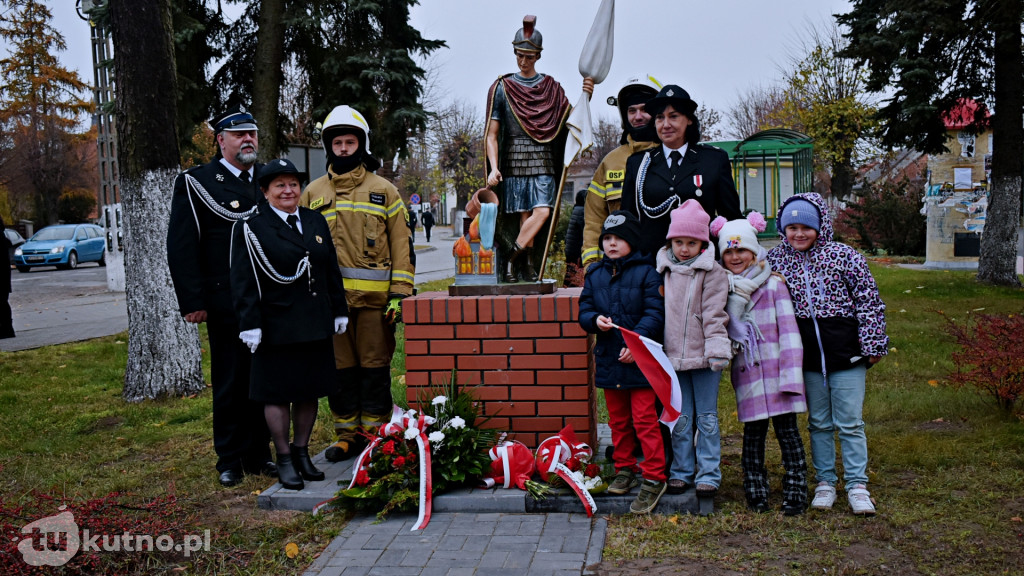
(528, 353)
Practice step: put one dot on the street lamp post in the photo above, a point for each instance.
(108, 196)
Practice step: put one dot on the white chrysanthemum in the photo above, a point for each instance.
(436, 436)
(411, 432)
(592, 483)
(457, 422)
(439, 400)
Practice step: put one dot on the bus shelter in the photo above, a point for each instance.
(769, 167)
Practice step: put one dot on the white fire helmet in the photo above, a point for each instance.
(640, 83)
(344, 116)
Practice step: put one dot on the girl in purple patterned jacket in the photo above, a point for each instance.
(767, 369)
(842, 324)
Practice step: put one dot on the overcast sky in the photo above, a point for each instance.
(715, 49)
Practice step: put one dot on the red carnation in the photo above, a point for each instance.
(399, 462)
(410, 457)
(388, 448)
(592, 471)
(574, 464)
(362, 478)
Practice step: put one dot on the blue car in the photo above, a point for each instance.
(63, 246)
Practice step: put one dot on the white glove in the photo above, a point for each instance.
(340, 324)
(251, 338)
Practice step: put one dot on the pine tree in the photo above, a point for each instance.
(359, 53)
(41, 106)
(933, 55)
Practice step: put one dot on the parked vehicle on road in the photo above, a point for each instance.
(15, 240)
(64, 246)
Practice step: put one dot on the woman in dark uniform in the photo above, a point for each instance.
(662, 178)
(290, 300)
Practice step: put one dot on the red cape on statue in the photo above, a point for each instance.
(541, 110)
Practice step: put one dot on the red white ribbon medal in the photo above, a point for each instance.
(697, 181)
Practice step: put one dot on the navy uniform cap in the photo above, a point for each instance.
(234, 119)
(279, 167)
(673, 95)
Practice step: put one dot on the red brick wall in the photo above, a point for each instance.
(528, 352)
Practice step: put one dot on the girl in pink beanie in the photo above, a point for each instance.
(697, 344)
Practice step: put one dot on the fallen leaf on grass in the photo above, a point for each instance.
(933, 383)
(291, 549)
(675, 519)
(1015, 519)
(938, 420)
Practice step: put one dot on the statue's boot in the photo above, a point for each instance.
(510, 264)
(527, 273)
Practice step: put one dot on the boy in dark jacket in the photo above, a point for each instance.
(624, 289)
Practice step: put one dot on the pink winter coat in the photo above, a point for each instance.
(772, 384)
(695, 317)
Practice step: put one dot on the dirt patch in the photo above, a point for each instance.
(663, 567)
(105, 423)
(942, 425)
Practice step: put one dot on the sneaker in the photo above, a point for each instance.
(623, 482)
(677, 486)
(706, 489)
(793, 508)
(824, 497)
(860, 500)
(647, 498)
(759, 506)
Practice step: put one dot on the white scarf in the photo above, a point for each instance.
(742, 328)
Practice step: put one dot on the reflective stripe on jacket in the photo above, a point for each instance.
(367, 219)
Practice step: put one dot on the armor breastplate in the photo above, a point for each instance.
(523, 155)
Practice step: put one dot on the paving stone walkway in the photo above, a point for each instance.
(466, 544)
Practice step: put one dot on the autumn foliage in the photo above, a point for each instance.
(991, 356)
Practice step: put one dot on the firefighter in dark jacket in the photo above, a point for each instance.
(207, 201)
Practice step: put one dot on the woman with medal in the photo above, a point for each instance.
(290, 301)
(662, 178)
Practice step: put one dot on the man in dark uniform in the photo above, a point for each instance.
(207, 201)
(428, 222)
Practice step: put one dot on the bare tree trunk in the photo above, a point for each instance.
(163, 351)
(268, 76)
(998, 261)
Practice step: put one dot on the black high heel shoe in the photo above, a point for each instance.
(304, 466)
(287, 475)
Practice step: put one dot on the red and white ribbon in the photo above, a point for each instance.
(511, 464)
(564, 473)
(400, 422)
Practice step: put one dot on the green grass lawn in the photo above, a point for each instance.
(946, 468)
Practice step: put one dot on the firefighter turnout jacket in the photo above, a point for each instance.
(605, 195)
(368, 223)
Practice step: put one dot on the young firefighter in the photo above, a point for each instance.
(623, 289)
